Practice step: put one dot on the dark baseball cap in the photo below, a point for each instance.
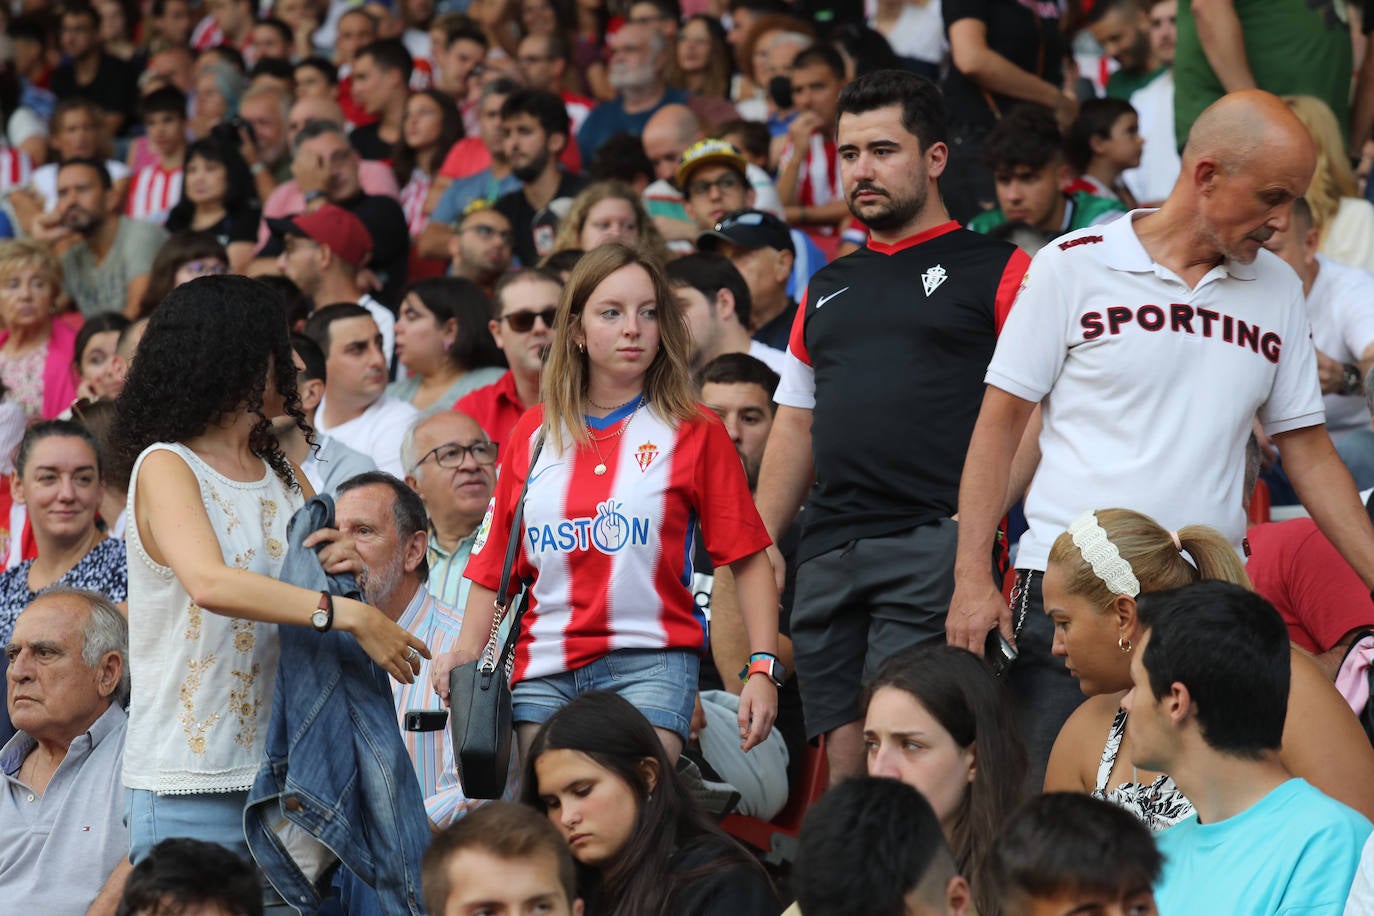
(748, 229)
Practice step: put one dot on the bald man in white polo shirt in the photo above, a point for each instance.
(1151, 345)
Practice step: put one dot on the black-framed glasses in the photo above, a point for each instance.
(452, 454)
(728, 182)
(523, 321)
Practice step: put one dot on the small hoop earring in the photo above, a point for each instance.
(581, 348)
(1124, 645)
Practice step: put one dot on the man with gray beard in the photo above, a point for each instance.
(387, 522)
(638, 58)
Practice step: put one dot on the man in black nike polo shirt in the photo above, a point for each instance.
(879, 395)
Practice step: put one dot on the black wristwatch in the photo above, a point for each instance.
(1351, 382)
(323, 618)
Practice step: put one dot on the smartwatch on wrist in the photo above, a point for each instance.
(323, 618)
(763, 663)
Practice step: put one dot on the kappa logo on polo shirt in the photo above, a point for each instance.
(1179, 319)
(1081, 240)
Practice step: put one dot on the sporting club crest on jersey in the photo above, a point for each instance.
(645, 455)
(932, 279)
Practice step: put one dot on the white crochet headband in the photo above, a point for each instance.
(1101, 554)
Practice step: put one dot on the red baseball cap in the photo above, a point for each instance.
(334, 227)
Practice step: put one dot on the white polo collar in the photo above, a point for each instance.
(1123, 251)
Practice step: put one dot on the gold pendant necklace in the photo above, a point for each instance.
(600, 469)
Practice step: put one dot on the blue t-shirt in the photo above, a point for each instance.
(1294, 851)
(609, 118)
(456, 197)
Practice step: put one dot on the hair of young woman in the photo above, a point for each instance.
(460, 300)
(98, 419)
(720, 64)
(1333, 178)
(1154, 558)
(406, 158)
(668, 389)
(958, 690)
(204, 358)
(239, 189)
(96, 324)
(50, 429)
(612, 733)
(570, 227)
(175, 253)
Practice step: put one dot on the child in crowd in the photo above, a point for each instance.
(1103, 142)
(1026, 154)
(156, 187)
(1070, 853)
(874, 845)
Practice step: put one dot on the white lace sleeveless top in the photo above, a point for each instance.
(201, 682)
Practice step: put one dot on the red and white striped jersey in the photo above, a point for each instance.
(611, 556)
(413, 201)
(15, 168)
(206, 34)
(153, 192)
(578, 108)
(819, 181)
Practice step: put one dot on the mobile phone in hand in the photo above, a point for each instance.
(999, 653)
(425, 720)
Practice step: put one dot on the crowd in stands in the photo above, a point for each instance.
(930, 442)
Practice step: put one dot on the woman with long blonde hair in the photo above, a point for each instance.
(1343, 219)
(1096, 571)
(609, 211)
(627, 464)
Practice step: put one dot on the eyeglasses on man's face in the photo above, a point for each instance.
(453, 454)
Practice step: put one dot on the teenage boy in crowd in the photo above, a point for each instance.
(156, 188)
(1208, 699)
(1026, 154)
(1066, 853)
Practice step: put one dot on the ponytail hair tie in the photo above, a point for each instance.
(1178, 545)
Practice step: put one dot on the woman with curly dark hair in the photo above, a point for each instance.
(598, 771)
(218, 196)
(209, 498)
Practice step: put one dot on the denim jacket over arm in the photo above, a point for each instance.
(335, 763)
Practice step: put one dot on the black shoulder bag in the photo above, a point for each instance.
(479, 692)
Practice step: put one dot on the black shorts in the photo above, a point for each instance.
(860, 603)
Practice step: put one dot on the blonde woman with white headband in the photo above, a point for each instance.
(1096, 571)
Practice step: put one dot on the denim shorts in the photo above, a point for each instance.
(661, 683)
(215, 817)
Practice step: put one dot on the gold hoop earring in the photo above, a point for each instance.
(1124, 645)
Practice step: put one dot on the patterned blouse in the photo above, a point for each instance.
(23, 376)
(1158, 806)
(102, 570)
